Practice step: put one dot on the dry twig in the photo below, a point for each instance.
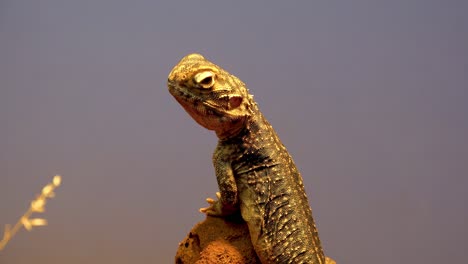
(37, 206)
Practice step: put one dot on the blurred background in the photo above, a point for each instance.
(370, 98)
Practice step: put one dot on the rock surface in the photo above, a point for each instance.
(216, 240)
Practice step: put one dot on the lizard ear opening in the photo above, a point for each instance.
(205, 79)
(235, 101)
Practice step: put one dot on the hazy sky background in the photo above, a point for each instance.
(370, 98)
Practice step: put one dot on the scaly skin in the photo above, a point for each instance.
(255, 172)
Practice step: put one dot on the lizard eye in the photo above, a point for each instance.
(205, 79)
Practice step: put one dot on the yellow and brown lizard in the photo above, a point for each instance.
(255, 172)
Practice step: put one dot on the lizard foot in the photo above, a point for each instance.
(215, 206)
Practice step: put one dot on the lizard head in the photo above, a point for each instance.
(214, 98)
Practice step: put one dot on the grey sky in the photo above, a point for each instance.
(370, 98)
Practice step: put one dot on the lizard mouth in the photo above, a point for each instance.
(204, 113)
(203, 106)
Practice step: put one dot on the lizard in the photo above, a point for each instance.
(255, 173)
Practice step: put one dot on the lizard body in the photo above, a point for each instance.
(255, 172)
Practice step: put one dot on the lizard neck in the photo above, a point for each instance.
(234, 129)
(248, 126)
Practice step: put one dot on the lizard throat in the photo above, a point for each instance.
(210, 116)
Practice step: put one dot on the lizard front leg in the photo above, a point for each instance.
(228, 200)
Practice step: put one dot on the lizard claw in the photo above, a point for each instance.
(214, 208)
(208, 210)
(210, 200)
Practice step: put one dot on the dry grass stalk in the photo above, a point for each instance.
(37, 206)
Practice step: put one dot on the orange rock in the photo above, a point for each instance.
(219, 241)
(216, 240)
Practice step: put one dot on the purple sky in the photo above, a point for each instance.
(370, 98)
